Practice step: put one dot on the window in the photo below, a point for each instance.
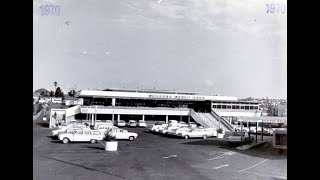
(256, 107)
(235, 107)
(214, 106)
(86, 132)
(246, 107)
(223, 106)
(219, 106)
(251, 107)
(96, 133)
(242, 107)
(79, 132)
(229, 107)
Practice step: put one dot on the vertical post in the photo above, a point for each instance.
(261, 131)
(92, 119)
(257, 132)
(249, 132)
(167, 118)
(143, 117)
(113, 104)
(118, 117)
(241, 132)
(189, 119)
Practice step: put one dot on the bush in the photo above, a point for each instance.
(220, 131)
(111, 138)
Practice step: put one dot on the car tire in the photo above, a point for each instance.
(204, 137)
(65, 140)
(131, 138)
(93, 141)
(186, 137)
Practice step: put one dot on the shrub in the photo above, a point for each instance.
(220, 131)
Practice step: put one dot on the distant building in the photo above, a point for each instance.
(282, 110)
(57, 100)
(36, 97)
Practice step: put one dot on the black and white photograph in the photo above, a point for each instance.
(159, 89)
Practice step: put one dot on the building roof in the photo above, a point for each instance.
(152, 95)
(150, 91)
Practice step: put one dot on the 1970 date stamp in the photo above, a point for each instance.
(50, 10)
(276, 8)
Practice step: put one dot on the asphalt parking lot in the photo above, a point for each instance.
(152, 156)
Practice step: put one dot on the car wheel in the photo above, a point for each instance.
(93, 141)
(131, 138)
(186, 137)
(65, 140)
(204, 137)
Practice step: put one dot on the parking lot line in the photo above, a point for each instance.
(254, 165)
(171, 156)
(223, 155)
(226, 165)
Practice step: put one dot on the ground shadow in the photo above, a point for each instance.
(85, 167)
(43, 124)
(53, 137)
(92, 147)
(265, 150)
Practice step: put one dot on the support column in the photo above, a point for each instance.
(118, 117)
(167, 118)
(257, 132)
(143, 117)
(180, 118)
(241, 132)
(92, 118)
(247, 124)
(261, 131)
(249, 133)
(188, 119)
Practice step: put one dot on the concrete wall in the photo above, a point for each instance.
(235, 113)
(137, 111)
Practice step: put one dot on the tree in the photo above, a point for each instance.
(72, 93)
(55, 84)
(59, 93)
(51, 93)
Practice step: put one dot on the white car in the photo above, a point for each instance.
(142, 123)
(132, 123)
(193, 124)
(65, 128)
(168, 129)
(183, 124)
(106, 123)
(175, 132)
(123, 134)
(120, 123)
(155, 128)
(111, 130)
(195, 133)
(81, 136)
(103, 128)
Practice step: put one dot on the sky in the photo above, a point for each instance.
(226, 47)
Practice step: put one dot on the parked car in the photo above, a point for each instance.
(236, 137)
(123, 134)
(160, 122)
(266, 131)
(132, 123)
(195, 133)
(110, 130)
(65, 128)
(81, 136)
(142, 123)
(182, 124)
(120, 123)
(167, 129)
(106, 123)
(155, 128)
(175, 132)
(72, 130)
(192, 124)
(104, 127)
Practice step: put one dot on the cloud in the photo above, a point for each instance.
(208, 83)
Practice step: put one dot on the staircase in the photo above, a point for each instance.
(223, 121)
